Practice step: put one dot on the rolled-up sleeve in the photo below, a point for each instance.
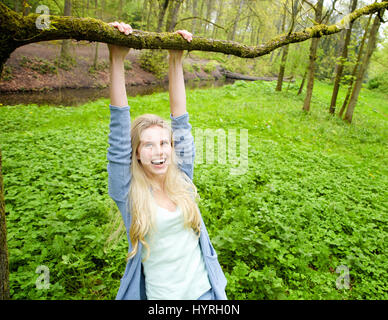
(119, 154)
(183, 143)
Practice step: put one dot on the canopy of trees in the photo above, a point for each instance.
(17, 31)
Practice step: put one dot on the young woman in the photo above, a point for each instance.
(150, 169)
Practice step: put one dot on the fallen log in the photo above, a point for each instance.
(239, 76)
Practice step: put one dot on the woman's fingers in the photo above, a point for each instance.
(128, 29)
(122, 27)
(185, 34)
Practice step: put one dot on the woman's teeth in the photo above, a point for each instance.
(158, 162)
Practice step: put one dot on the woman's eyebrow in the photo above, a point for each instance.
(150, 141)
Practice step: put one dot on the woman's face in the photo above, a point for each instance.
(154, 151)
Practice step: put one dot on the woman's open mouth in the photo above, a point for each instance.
(158, 163)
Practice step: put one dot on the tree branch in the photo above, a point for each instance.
(16, 31)
(199, 18)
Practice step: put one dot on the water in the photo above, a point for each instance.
(76, 97)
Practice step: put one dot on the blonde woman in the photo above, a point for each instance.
(150, 169)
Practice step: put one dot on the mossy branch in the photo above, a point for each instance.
(16, 31)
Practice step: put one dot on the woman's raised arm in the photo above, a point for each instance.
(175, 77)
(183, 139)
(118, 94)
(120, 149)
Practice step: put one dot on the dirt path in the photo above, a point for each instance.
(25, 72)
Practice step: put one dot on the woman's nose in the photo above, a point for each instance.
(158, 150)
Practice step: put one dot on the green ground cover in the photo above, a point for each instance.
(313, 198)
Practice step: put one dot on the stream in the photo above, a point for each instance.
(76, 97)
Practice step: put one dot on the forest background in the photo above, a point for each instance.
(314, 197)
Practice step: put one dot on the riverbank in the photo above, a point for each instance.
(35, 68)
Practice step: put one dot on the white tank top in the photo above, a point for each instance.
(175, 269)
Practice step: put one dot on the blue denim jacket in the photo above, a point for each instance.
(132, 284)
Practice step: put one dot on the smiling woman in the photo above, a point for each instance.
(150, 178)
(154, 151)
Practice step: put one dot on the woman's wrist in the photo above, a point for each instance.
(175, 62)
(116, 60)
(116, 67)
(175, 57)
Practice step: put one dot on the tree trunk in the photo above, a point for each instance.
(95, 60)
(25, 8)
(65, 49)
(16, 5)
(310, 74)
(4, 269)
(246, 29)
(194, 22)
(120, 9)
(218, 15)
(279, 84)
(285, 48)
(364, 66)
(355, 68)
(312, 58)
(162, 13)
(340, 64)
(236, 20)
(209, 7)
(284, 53)
(303, 81)
(150, 9)
(98, 13)
(173, 13)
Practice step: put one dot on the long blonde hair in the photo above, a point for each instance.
(179, 188)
